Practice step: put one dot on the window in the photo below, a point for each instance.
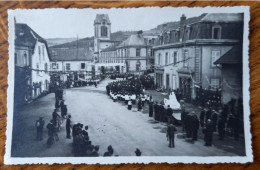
(37, 67)
(159, 59)
(39, 50)
(103, 31)
(67, 66)
(166, 58)
(54, 66)
(175, 57)
(138, 51)
(15, 58)
(46, 67)
(214, 82)
(57, 66)
(185, 58)
(43, 53)
(138, 65)
(25, 59)
(215, 55)
(82, 65)
(216, 32)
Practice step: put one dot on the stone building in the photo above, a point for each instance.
(185, 55)
(32, 61)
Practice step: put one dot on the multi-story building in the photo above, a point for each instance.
(185, 55)
(32, 63)
(72, 61)
(130, 55)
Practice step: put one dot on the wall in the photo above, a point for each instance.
(74, 65)
(40, 58)
(231, 82)
(209, 72)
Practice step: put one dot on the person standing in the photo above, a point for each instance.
(68, 126)
(195, 126)
(208, 133)
(170, 134)
(39, 126)
(169, 113)
(221, 128)
(139, 104)
(151, 107)
(129, 104)
(156, 111)
(202, 117)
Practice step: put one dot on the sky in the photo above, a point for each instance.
(68, 23)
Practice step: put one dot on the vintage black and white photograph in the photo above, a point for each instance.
(133, 85)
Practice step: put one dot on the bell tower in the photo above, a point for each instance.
(102, 30)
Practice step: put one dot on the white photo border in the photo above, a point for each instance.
(132, 159)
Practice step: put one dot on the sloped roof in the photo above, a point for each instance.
(110, 48)
(133, 40)
(223, 17)
(25, 36)
(71, 54)
(101, 18)
(233, 56)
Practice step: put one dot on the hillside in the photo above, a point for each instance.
(116, 36)
(56, 41)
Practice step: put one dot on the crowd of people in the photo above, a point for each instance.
(82, 145)
(131, 92)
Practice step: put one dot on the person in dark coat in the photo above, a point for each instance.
(183, 117)
(64, 110)
(170, 134)
(57, 104)
(109, 151)
(55, 117)
(156, 111)
(39, 127)
(221, 128)
(195, 126)
(169, 113)
(208, 133)
(202, 117)
(68, 126)
(95, 152)
(214, 118)
(188, 125)
(208, 114)
(151, 107)
(138, 152)
(162, 112)
(139, 103)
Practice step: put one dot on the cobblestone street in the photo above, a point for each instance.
(109, 124)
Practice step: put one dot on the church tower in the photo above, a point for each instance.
(102, 30)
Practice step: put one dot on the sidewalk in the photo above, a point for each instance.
(228, 144)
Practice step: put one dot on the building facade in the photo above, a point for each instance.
(32, 63)
(185, 55)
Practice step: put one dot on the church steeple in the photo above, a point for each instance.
(102, 30)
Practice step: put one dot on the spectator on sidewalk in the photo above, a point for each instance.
(170, 134)
(68, 126)
(39, 127)
(109, 151)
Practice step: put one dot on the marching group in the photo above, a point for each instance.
(131, 92)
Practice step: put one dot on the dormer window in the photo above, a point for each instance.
(216, 32)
